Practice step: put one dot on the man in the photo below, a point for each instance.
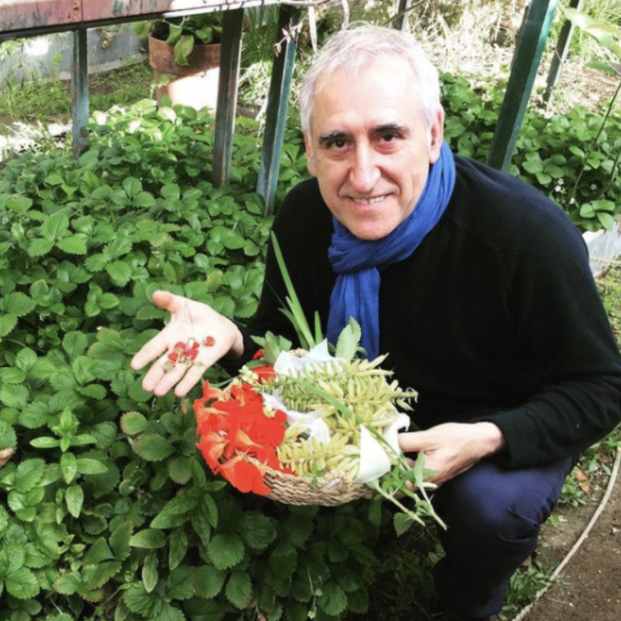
(477, 286)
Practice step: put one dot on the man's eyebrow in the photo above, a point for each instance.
(391, 127)
(331, 136)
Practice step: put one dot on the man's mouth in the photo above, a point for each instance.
(368, 201)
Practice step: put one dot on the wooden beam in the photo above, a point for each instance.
(276, 117)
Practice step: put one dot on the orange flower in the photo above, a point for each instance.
(233, 428)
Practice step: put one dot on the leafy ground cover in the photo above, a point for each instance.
(50, 101)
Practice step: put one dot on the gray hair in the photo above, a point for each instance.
(358, 45)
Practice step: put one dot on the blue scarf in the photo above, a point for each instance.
(358, 262)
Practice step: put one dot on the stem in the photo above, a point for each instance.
(378, 488)
(592, 146)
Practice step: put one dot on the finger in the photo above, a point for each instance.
(165, 300)
(152, 350)
(169, 378)
(412, 441)
(193, 375)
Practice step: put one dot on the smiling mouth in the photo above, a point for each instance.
(368, 201)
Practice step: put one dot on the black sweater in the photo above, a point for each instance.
(494, 317)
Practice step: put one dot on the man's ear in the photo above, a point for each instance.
(436, 137)
(310, 157)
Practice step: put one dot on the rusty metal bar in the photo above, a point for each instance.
(230, 56)
(26, 18)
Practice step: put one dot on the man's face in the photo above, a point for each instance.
(370, 147)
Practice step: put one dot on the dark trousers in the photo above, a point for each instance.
(493, 517)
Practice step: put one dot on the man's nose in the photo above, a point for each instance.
(364, 171)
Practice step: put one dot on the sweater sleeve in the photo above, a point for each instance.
(561, 326)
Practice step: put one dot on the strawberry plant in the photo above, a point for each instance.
(107, 511)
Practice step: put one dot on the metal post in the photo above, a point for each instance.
(562, 49)
(79, 91)
(230, 56)
(525, 63)
(276, 115)
(401, 23)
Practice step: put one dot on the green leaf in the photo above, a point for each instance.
(35, 415)
(45, 442)
(169, 613)
(102, 573)
(226, 550)
(183, 49)
(142, 603)
(133, 423)
(177, 548)
(90, 466)
(150, 572)
(183, 503)
(333, 600)
(179, 584)
(19, 204)
(349, 340)
(17, 304)
(69, 467)
(606, 220)
(132, 186)
(75, 244)
(11, 375)
(67, 584)
(149, 539)
(153, 447)
(8, 439)
(120, 541)
(208, 581)
(284, 560)
(258, 531)
(28, 474)
(14, 396)
(22, 584)
(402, 523)
(239, 589)
(179, 470)
(74, 497)
(120, 272)
(143, 199)
(7, 324)
(75, 344)
(39, 247)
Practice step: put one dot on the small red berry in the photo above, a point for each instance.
(209, 341)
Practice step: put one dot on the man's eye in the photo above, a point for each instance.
(388, 137)
(339, 143)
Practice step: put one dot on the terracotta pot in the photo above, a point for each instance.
(195, 84)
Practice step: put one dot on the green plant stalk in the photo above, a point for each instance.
(593, 143)
(617, 157)
(297, 316)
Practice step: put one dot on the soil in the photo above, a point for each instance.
(589, 586)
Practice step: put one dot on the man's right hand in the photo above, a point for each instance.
(189, 321)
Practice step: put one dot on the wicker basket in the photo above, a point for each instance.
(330, 490)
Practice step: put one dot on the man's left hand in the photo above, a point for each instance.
(453, 448)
